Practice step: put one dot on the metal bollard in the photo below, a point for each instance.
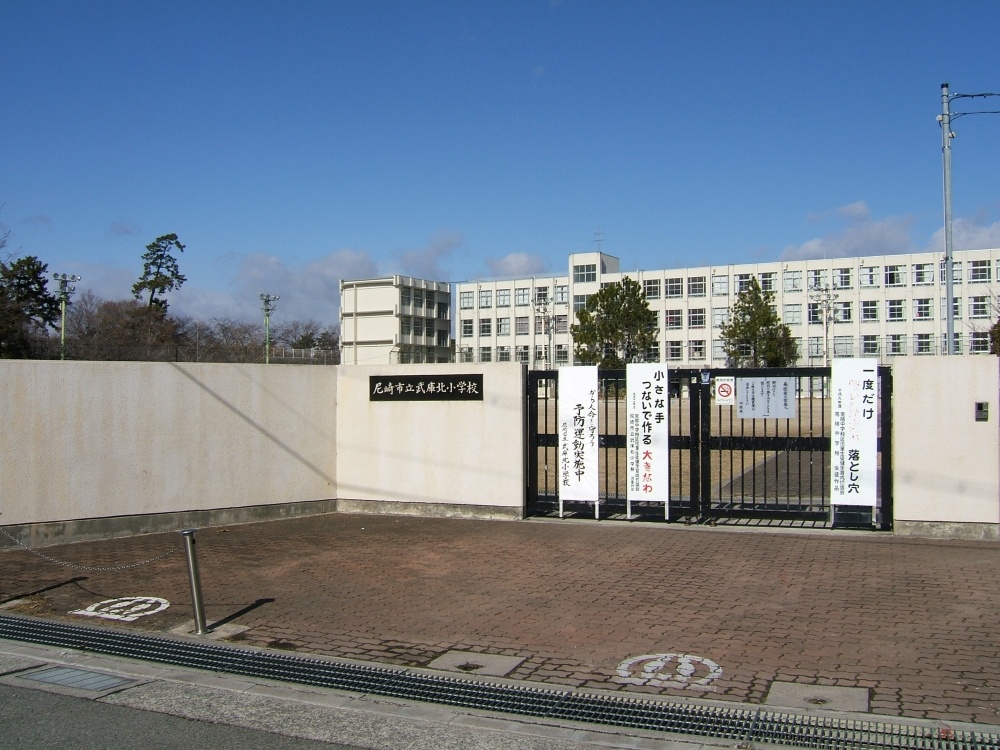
(195, 579)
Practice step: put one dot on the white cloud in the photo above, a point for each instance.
(308, 291)
(857, 234)
(967, 234)
(431, 261)
(519, 265)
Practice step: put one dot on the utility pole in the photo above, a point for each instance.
(824, 297)
(945, 119)
(65, 290)
(268, 308)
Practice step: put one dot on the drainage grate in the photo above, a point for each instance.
(742, 724)
(81, 679)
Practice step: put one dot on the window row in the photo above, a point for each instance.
(521, 296)
(522, 326)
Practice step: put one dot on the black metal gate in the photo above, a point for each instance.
(723, 469)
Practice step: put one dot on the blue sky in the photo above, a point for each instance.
(290, 144)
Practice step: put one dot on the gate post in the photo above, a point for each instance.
(885, 444)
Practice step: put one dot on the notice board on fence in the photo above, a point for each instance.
(578, 437)
(648, 438)
(854, 434)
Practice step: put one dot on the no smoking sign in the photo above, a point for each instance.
(725, 391)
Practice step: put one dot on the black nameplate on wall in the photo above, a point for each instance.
(425, 387)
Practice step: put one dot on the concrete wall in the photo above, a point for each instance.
(433, 457)
(99, 439)
(946, 464)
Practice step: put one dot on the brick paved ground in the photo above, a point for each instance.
(916, 622)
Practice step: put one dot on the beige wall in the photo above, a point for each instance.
(463, 453)
(98, 439)
(946, 465)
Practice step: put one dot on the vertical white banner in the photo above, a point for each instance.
(648, 434)
(854, 434)
(578, 435)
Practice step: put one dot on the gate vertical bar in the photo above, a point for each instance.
(694, 407)
(531, 498)
(705, 428)
(885, 447)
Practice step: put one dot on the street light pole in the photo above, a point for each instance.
(542, 310)
(65, 290)
(268, 308)
(945, 119)
(824, 297)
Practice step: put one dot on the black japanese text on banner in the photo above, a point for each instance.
(854, 433)
(578, 436)
(648, 434)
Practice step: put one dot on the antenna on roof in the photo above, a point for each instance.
(599, 238)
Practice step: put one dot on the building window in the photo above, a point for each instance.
(696, 286)
(672, 320)
(923, 343)
(869, 277)
(696, 318)
(521, 354)
(562, 294)
(870, 345)
(522, 296)
(958, 343)
(541, 354)
(485, 354)
(651, 288)
(503, 354)
(815, 313)
(485, 298)
(503, 326)
(404, 326)
(817, 278)
(673, 288)
(652, 354)
(585, 273)
(521, 325)
(720, 286)
(418, 298)
(923, 273)
(485, 327)
(561, 323)
(720, 315)
(894, 310)
(979, 307)
(895, 275)
(503, 297)
(742, 282)
(418, 326)
(956, 272)
(580, 302)
(442, 310)
(675, 351)
(430, 300)
(791, 314)
(562, 354)
(979, 272)
(956, 306)
(696, 350)
(541, 295)
(769, 281)
(897, 344)
(922, 309)
(843, 346)
(464, 300)
(793, 281)
(869, 309)
(541, 325)
(442, 338)
(841, 278)
(718, 349)
(468, 328)
(815, 346)
(980, 342)
(841, 312)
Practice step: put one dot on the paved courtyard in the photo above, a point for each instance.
(910, 626)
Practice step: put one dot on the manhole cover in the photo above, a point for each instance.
(80, 679)
(472, 662)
